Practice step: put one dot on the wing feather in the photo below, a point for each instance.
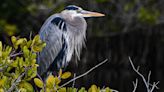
(52, 35)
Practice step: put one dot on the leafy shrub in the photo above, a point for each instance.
(18, 67)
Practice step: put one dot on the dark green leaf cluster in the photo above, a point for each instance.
(148, 16)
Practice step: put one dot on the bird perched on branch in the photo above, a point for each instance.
(64, 34)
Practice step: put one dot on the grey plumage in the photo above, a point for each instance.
(64, 34)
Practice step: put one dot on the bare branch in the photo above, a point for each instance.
(155, 85)
(16, 54)
(73, 84)
(135, 85)
(148, 79)
(84, 73)
(137, 71)
(30, 35)
(147, 83)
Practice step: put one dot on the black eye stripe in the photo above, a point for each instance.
(71, 8)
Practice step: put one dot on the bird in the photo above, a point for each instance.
(64, 34)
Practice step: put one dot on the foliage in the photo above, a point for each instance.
(147, 16)
(18, 67)
(10, 29)
(21, 15)
(52, 84)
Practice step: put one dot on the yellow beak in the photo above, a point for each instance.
(91, 14)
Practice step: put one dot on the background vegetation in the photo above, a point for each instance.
(130, 28)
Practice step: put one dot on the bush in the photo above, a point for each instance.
(18, 67)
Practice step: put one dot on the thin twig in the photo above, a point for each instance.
(155, 86)
(148, 79)
(135, 85)
(30, 35)
(84, 73)
(149, 89)
(13, 86)
(73, 84)
(13, 52)
(16, 54)
(137, 71)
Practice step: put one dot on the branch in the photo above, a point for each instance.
(137, 71)
(11, 55)
(73, 84)
(13, 86)
(154, 86)
(84, 73)
(135, 85)
(147, 83)
(16, 54)
(148, 79)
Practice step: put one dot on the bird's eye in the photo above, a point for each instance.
(78, 11)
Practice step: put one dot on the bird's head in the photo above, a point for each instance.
(75, 11)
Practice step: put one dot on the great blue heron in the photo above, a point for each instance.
(64, 34)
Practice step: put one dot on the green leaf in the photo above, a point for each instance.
(13, 39)
(50, 82)
(33, 56)
(2, 90)
(1, 49)
(20, 62)
(37, 44)
(93, 88)
(38, 82)
(33, 62)
(3, 81)
(82, 90)
(19, 41)
(29, 43)
(36, 49)
(62, 89)
(107, 89)
(7, 51)
(70, 89)
(1, 46)
(22, 90)
(27, 86)
(65, 75)
(15, 62)
(26, 51)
